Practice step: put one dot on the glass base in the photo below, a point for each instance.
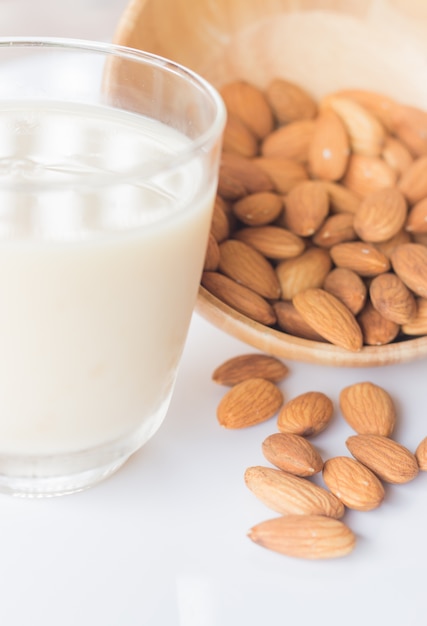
(47, 476)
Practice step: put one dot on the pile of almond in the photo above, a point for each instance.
(320, 221)
(309, 523)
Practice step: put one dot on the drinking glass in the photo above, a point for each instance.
(109, 164)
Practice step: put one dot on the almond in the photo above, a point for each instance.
(366, 174)
(242, 367)
(239, 298)
(250, 402)
(376, 329)
(290, 321)
(309, 269)
(409, 124)
(292, 453)
(212, 254)
(388, 459)
(363, 258)
(288, 494)
(353, 483)
(284, 173)
(258, 209)
(289, 101)
(396, 155)
(387, 247)
(290, 141)
(413, 182)
(380, 215)
(368, 409)
(409, 261)
(238, 138)
(367, 134)
(381, 106)
(220, 225)
(306, 207)
(249, 104)
(329, 150)
(308, 537)
(248, 267)
(307, 414)
(421, 454)
(273, 242)
(341, 199)
(337, 228)
(348, 287)
(330, 318)
(418, 324)
(392, 298)
(417, 217)
(239, 176)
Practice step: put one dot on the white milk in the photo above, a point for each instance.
(97, 282)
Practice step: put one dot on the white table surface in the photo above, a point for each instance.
(163, 542)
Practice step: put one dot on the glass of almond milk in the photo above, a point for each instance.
(108, 172)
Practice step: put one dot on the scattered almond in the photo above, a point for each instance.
(304, 537)
(250, 402)
(288, 494)
(421, 454)
(240, 368)
(292, 453)
(368, 409)
(307, 414)
(354, 484)
(388, 459)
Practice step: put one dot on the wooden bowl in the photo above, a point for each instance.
(323, 45)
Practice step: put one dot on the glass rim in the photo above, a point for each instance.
(209, 136)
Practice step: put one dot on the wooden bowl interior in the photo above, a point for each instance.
(382, 46)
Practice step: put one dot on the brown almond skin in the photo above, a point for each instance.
(413, 182)
(284, 173)
(306, 207)
(288, 494)
(272, 241)
(380, 215)
(240, 176)
(392, 298)
(363, 258)
(250, 402)
(330, 318)
(329, 150)
(289, 101)
(421, 454)
(354, 484)
(336, 228)
(258, 209)
(348, 287)
(307, 414)
(389, 460)
(238, 138)
(306, 537)
(249, 104)
(292, 453)
(409, 261)
(238, 297)
(366, 174)
(376, 329)
(244, 366)
(248, 267)
(368, 409)
(417, 218)
(290, 141)
(308, 269)
(291, 322)
(418, 324)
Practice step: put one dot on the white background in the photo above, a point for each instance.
(163, 542)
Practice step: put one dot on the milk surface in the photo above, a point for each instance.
(101, 251)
